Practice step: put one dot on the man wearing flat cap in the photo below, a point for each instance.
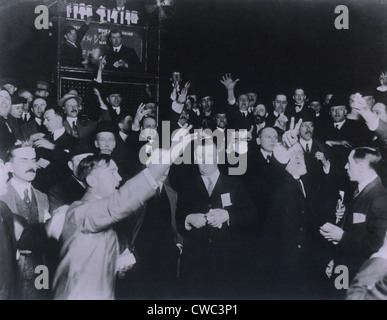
(80, 128)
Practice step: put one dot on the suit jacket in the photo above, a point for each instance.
(211, 252)
(33, 235)
(237, 120)
(15, 125)
(57, 171)
(85, 129)
(7, 253)
(90, 246)
(31, 127)
(364, 225)
(261, 180)
(65, 193)
(128, 55)
(7, 138)
(71, 56)
(10, 199)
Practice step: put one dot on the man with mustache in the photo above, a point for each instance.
(76, 124)
(30, 208)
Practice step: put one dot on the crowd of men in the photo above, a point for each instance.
(304, 218)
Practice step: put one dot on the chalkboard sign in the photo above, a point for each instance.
(96, 42)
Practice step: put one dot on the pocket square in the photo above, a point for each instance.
(359, 217)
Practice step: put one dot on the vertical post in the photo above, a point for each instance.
(58, 57)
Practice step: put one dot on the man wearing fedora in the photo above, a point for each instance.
(79, 127)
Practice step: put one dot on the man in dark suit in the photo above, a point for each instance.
(212, 212)
(263, 170)
(79, 126)
(35, 124)
(341, 135)
(71, 189)
(15, 116)
(7, 242)
(112, 95)
(120, 57)
(71, 51)
(30, 208)
(287, 245)
(364, 224)
(7, 137)
(157, 246)
(53, 150)
(299, 98)
(280, 104)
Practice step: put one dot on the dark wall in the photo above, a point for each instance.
(269, 44)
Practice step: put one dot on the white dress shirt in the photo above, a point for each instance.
(20, 187)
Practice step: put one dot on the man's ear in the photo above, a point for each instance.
(91, 181)
(258, 140)
(71, 165)
(96, 143)
(9, 166)
(120, 125)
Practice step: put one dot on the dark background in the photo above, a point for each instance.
(270, 45)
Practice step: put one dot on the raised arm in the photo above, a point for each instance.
(229, 84)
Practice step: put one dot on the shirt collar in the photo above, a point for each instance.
(304, 142)
(121, 8)
(117, 48)
(276, 113)
(20, 186)
(117, 110)
(71, 120)
(58, 133)
(214, 178)
(340, 124)
(367, 181)
(38, 121)
(266, 153)
(124, 136)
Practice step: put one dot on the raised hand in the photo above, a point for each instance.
(141, 113)
(290, 137)
(182, 98)
(228, 82)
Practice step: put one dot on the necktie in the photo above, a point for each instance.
(25, 117)
(158, 192)
(26, 197)
(51, 136)
(268, 158)
(356, 193)
(210, 187)
(301, 186)
(75, 130)
(307, 148)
